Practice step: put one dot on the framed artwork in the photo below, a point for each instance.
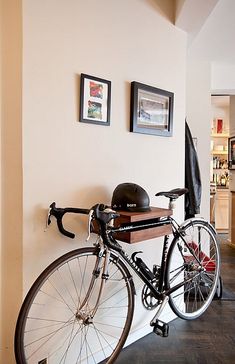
(151, 110)
(219, 126)
(95, 100)
(231, 153)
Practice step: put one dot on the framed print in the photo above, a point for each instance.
(151, 110)
(95, 100)
(231, 153)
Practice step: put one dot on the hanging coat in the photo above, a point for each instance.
(192, 177)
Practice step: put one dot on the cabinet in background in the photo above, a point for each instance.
(219, 159)
(221, 210)
(232, 219)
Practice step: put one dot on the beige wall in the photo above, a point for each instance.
(78, 164)
(11, 163)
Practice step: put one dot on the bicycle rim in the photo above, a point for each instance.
(194, 264)
(55, 324)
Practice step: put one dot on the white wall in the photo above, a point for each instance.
(223, 78)
(210, 70)
(78, 164)
(198, 111)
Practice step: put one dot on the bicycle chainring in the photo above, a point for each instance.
(148, 300)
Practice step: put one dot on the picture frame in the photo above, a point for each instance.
(95, 100)
(231, 153)
(219, 126)
(151, 110)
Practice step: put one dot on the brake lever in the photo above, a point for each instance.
(58, 213)
(90, 217)
(48, 220)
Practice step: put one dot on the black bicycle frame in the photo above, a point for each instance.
(159, 292)
(107, 232)
(109, 240)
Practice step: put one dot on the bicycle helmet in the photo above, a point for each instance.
(130, 197)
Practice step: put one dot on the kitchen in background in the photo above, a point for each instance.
(219, 174)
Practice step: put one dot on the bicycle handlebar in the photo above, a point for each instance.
(59, 213)
(100, 212)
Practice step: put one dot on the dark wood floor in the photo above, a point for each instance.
(206, 340)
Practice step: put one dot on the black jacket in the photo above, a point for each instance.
(192, 177)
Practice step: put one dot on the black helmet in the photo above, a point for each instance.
(130, 197)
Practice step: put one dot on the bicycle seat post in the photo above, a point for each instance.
(172, 203)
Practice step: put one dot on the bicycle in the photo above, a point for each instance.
(80, 309)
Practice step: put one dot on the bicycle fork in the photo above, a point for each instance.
(101, 268)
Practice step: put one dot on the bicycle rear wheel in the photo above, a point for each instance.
(60, 321)
(193, 263)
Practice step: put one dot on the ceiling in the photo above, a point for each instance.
(210, 25)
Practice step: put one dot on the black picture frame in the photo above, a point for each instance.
(231, 153)
(95, 100)
(151, 110)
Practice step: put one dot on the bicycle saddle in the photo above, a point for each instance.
(173, 194)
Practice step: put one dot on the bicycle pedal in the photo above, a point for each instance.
(161, 328)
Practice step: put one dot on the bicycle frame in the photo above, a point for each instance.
(110, 242)
(82, 305)
(158, 292)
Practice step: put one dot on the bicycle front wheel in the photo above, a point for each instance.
(68, 318)
(193, 269)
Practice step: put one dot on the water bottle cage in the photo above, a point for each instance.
(143, 267)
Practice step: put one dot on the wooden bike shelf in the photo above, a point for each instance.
(141, 235)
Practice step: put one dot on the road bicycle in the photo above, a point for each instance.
(80, 309)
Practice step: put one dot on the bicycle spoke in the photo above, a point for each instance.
(57, 322)
(69, 345)
(66, 304)
(43, 327)
(194, 261)
(51, 335)
(58, 349)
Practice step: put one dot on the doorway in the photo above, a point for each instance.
(219, 176)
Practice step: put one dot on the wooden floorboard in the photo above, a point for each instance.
(206, 340)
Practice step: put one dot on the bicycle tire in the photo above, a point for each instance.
(193, 261)
(54, 325)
